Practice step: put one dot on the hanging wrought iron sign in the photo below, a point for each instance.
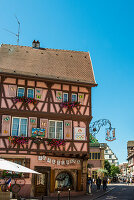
(110, 134)
(94, 128)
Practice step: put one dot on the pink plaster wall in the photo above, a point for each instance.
(87, 111)
(52, 108)
(45, 107)
(85, 147)
(54, 96)
(31, 83)
(82, 124)
(85, 99)
(56, 86)
(41, 84)
(21, 82)
(82, 89)
(5, 90)
(66, 87)
(82, 108)
(3, 104)
(10, 80)
(74, 89)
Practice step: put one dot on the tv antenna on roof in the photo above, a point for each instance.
(18, 34)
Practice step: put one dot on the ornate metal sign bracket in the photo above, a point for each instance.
(94, 128)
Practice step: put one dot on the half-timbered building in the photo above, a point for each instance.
(45, 111)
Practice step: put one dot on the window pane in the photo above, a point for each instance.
(96, 156)
(52, 129)
(65, 97)
(21, 92)
(74, 97)
(92, 155)
(15, 127)
(23, 127)
(30, 93)
(59, 130)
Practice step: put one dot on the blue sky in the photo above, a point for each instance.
(105, 28)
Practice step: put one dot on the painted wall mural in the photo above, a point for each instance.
(38, 132)
(79, 133)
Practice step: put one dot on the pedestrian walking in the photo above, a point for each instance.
(104, 183)
(98, 183)
(89, 185)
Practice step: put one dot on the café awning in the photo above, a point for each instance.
(11, 166)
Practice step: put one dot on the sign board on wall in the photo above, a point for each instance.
(38, 132)
(79, 133)
(57, 161)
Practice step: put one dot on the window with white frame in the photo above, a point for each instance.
(65, 97)
(20, 92)
(19, 126)
(74, 97)
(56, 129)
(30, 93)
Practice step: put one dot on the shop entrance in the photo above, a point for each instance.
(41, 182)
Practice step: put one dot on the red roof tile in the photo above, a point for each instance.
(47, 63)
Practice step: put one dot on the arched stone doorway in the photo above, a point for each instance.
(64, 181)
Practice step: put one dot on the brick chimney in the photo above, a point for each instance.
(36, 44)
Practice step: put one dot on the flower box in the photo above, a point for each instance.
(70, 104)
(55, 142)
(25, 100)
(18, 140)
(11, 174)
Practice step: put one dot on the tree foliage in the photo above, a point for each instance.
(114, 170)
(107, 166)
(111, 169)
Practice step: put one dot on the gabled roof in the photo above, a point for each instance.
(65, 65)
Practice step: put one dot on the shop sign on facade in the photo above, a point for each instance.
(79, 133)
(58, 161)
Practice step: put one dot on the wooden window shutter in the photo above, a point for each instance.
(58, 96)
(12, 90)
(32, 124)
(38, 93)
(44, 125)
(80, 98)
(27, 164)
(68, 129)
(6, 123)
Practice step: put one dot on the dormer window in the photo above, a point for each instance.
(20, 92)
(74, 97)
(30, 93)
(65, 97)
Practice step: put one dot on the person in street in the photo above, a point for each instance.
(89, 185)
(98, 183)
(104, 183)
